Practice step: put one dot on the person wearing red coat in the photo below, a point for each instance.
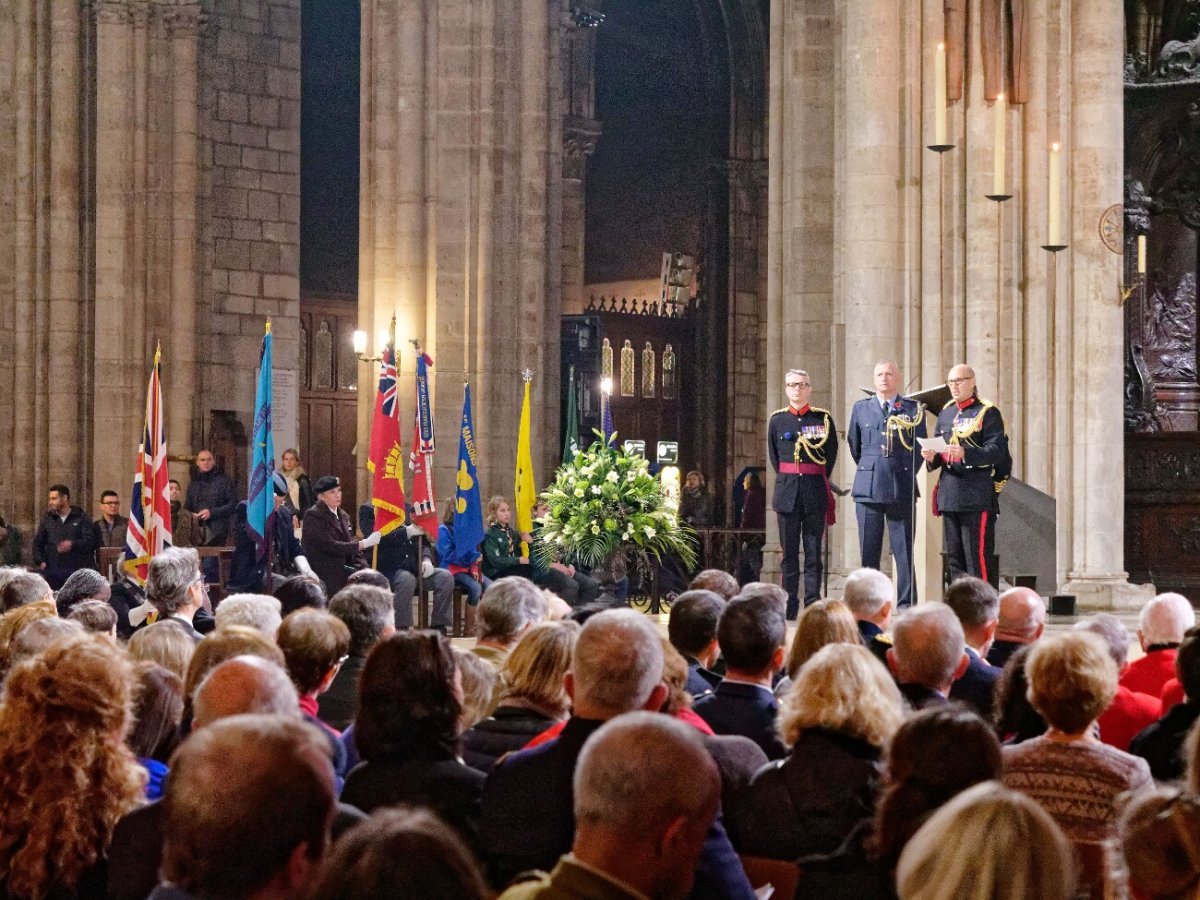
(1129, 711)
(1161, 626)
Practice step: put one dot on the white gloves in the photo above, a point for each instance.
(303, 566)
(426, 568)
(371, 540)
(413, 530)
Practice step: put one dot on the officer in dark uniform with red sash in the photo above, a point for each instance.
(974, 471)
(803, 444)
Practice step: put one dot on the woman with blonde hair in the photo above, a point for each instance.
(502, 544)
(988, 843)
(164, 643)
(300, 490)
(66, 774)
(532, 696)
(825, 622)
(836, 719)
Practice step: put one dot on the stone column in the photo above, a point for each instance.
(800, 210)
(1093, 461)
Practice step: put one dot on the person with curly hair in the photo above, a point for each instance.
(62, 735)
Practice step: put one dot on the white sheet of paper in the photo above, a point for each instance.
(765, 892)
(936, 443)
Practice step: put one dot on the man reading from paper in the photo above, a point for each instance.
(975, 465)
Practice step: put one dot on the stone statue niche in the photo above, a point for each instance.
(648, 370)
(628, 361)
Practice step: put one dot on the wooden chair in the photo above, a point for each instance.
(463, 623)
(780, 874)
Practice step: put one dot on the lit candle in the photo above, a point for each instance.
(998, 153)
(1141, 254)
(939, 96)
(1055, 196)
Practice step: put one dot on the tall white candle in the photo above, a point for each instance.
(1055, 228)
(1141, 244)
(939, 96)
(998, 152)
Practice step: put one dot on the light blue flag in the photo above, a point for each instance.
(260, 498)
(468, 509)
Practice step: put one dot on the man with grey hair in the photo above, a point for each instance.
(1161, 627)
(1129, 711)
(261, 612)
(977, 605)
(175, 587)
(244, 684)
(370, 615)
(802, 444)
(509, 608)
(871, 598)
(22, 589)
(1022, 621)
(646, 792)
(928, 654)
(528, 804)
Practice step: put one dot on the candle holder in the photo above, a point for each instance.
(940, 148)
(1055, 248)
(999, 198)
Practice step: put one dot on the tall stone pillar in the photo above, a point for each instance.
(1093, 462)
(800, 210)
(461, 160)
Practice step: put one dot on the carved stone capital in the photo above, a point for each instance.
(183, 18)
(579, 142)
(113, 12)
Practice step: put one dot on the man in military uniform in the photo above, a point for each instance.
(882, 438)
(975, 468)
(802, 443)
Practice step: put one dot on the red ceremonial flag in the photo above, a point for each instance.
(386, 459)
(421, 458)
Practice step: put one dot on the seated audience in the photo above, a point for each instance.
(560, 577)
(1013, 716)
(400, 853)
(692, 630)
(66, 775)
(719, 582)
(464, 563)
(509, 608)
(166, 643)
(38, 635)
(751, 634)
(371, 577)
(928, 654)
(24, 588)
(236, 640)
(406, 731)
(502, 544)
(175, 587)
(314, 644)
(95, 616)
(977, 606)
(369, 615)
(228, 781)
(480, 686)
(1080, 781)
(1161, 743)
(988, 843)
(1160, 832)
(82, 584)
(836, 720)
(935, 755)
(13, 622)
(407, 560)
(244, 684)
(1022, 621)
(259, 611)
(298, 592)
(871, 597)
(157, 712)
(1161, 626)
(532, 695)
(1129, 711)
(645, 795)
(528, 819)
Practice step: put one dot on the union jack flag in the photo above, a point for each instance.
(149, 530)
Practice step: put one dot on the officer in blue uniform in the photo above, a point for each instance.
(882, 437)
(802, 443)
(974, 470)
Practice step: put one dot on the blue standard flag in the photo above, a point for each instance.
(468, 510)
(260, 498)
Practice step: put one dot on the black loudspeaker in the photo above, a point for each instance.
(1062, 604)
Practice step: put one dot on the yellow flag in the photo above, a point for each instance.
(524, 491)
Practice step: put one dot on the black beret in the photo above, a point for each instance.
(326, 483)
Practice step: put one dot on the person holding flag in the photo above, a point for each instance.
(462, 528)
(385, 461)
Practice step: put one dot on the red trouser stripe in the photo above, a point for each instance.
(983, 521)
